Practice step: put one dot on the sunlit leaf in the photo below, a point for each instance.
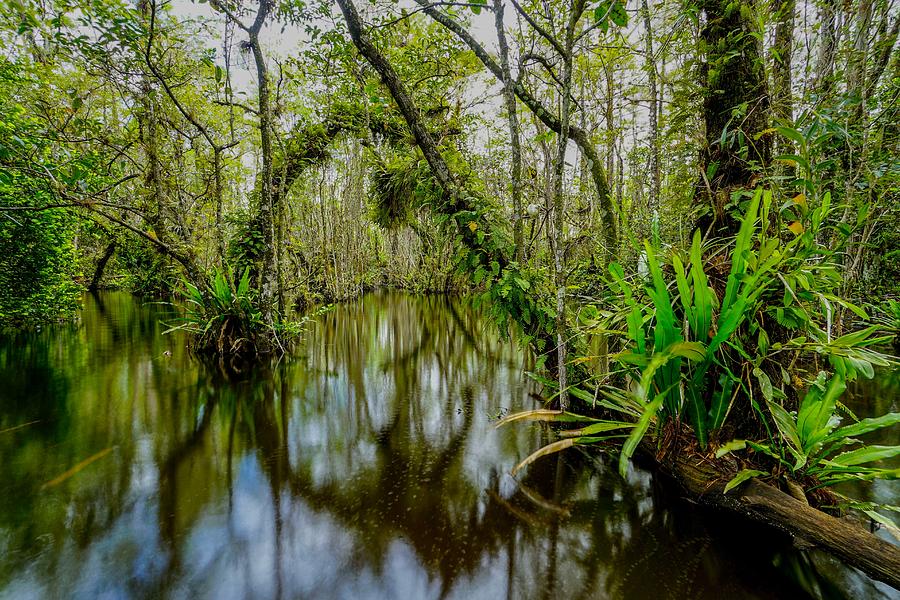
(548, 449)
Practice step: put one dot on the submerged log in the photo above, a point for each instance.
(853, 544)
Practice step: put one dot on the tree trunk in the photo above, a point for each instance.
(509, 97)
(883, 49)
(265, 216)
(458, 199)
(101, 267)
(765, 504)
(558, 236)
(856, 60)
(654, 111)
(828, 43)
(735, 110)
(548, 118)
(782, 50)
(219, 201)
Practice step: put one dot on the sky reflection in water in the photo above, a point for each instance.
(365, 467)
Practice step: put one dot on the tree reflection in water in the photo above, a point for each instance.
(365, 467)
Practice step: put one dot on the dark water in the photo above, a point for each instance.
(365, 467)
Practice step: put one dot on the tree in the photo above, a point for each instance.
(735, 110)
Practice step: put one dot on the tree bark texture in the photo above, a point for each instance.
(735, 109)
(509, 98)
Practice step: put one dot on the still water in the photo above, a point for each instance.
(366, 466)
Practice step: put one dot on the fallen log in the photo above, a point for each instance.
(850, 542)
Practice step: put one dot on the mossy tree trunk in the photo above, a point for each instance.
(782, 54)
(509, 98)
(735, 109)
(265, 213)
(650, 66)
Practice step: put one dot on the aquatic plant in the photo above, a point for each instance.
(226, 319)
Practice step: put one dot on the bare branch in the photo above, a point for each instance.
(541, 30)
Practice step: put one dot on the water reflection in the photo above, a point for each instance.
(365, 467)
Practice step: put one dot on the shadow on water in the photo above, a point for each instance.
(365, 467)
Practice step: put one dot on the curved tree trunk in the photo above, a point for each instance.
(548, 118)
(101, 267)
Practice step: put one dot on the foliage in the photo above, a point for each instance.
(398, 183)
(810, 443)
(225, 319)
(695, 348)
(145, 271)
(37, 260)
(245, 246)
(888, 316)
(37, 250)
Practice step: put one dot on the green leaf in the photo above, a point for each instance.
(765, 384)
(721, 402)
(864, 426)
(792, 134)
(816, 411)
(785, 423)
(730, 447)
(618, 14)
(597, 428)
(741, 477)
(704, 297)
(693, 351)
(741, 247)
(865, 455)
(244, 284)
(637, 434)
(684, 290)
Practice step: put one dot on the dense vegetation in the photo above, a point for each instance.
(688, 210)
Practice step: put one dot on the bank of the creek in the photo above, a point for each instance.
(366, 466)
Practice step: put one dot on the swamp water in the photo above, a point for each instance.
(366, 466)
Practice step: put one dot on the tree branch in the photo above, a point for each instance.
(575, 133)
(541, 31)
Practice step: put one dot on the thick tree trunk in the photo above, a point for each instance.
(735, 110)
(828, 43)
(265, 214)
(856, 60)
(760, 502)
